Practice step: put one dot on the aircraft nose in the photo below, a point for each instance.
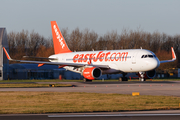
(153, 63)
(158, 62)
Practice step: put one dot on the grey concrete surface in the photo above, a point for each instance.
(136, 115)
(171, 88)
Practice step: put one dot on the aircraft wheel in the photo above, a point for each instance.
(142, 79)
(123, 79)
(120, 79)
(86, 80)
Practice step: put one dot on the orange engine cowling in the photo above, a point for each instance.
(92, 73)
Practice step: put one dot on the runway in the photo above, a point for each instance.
(138, 115)
(169, 88)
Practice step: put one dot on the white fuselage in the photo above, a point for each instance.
(128, 60)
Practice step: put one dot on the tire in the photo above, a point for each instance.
(142, 79)
(123, 79)
(86, 80)
(120, 79)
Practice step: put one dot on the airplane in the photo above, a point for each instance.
(92, 64)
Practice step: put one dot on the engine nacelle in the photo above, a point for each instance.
(92, 73)
(150, 74)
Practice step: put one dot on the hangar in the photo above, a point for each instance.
(4, 63)
(32, 71)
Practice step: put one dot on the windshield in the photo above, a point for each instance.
(147, 56)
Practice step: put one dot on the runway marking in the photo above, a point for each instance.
(112, 115)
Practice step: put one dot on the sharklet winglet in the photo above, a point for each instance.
(7, 55)
(173, 57)
(173, 54)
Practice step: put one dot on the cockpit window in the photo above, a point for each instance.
(147, 56)
(151, 56)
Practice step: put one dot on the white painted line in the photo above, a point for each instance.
(111, 115)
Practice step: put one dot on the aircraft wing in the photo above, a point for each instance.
(173, 57)
(40, 63)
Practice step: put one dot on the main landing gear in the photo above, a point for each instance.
(86, 80)
(141, 76)
(123, 78)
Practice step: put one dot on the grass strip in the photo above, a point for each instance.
(60, 102)
(32, 85)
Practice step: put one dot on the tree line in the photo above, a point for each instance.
(27, 43)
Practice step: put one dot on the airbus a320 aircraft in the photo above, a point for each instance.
(92, 64)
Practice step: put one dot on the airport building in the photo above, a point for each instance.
(32, 71)
(4, 63)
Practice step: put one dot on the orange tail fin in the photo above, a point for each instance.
(60, 45)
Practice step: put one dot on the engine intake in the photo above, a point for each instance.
(92, 73)
(150, 74)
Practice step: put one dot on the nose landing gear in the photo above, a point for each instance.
(141, 77)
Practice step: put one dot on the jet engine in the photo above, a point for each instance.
(150, 74)
(92, 73)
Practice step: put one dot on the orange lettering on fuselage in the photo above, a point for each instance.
(108, 56)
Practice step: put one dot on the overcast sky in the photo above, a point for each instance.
(101, 16)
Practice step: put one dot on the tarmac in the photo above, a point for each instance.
(168, 88)
(164, 88)
(137, 115)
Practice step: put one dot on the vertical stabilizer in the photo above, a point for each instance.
(60, 45)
